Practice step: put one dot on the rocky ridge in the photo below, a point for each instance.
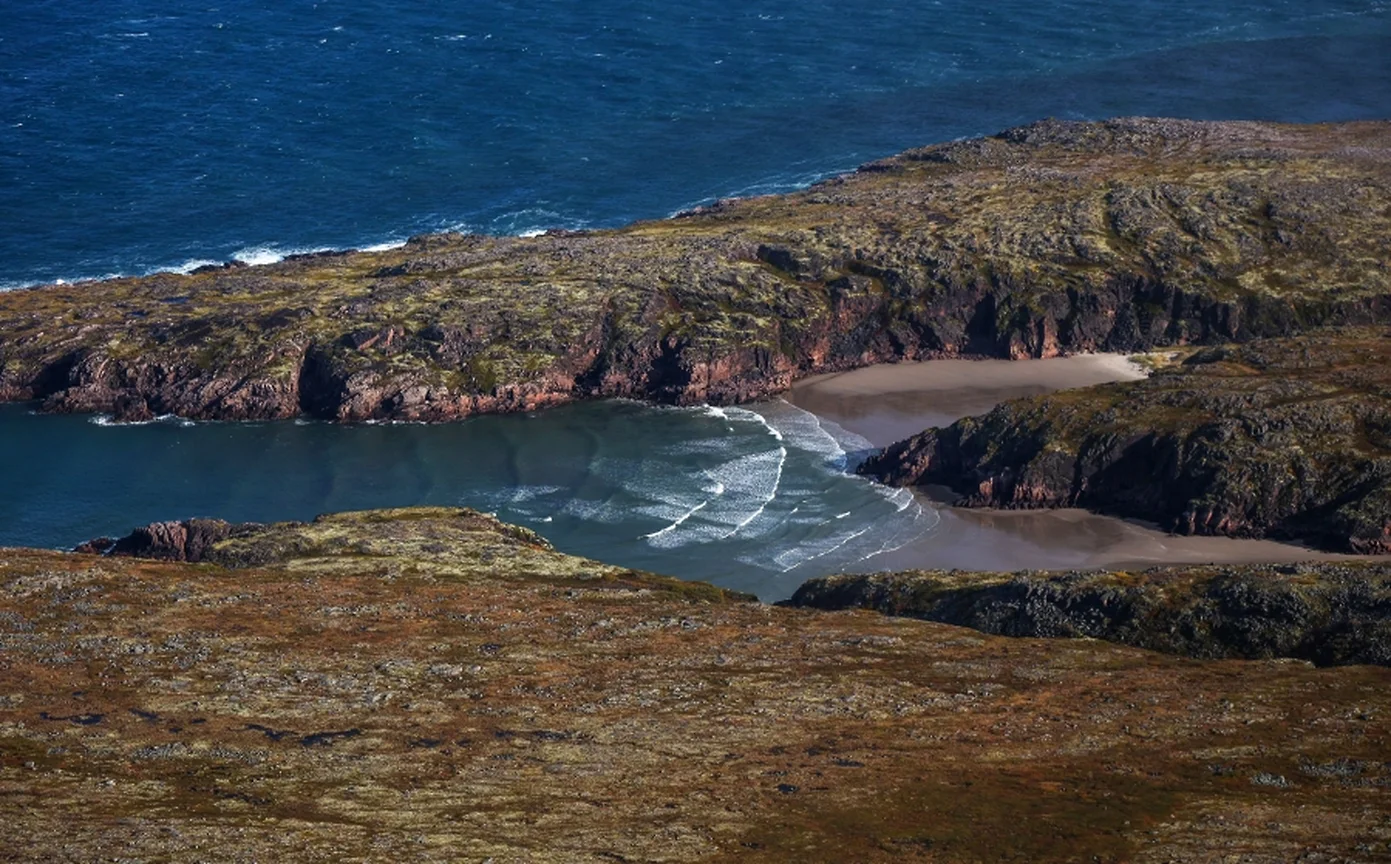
(1280, 438)
(1051, 238)
(1328, 614)
(433, 685)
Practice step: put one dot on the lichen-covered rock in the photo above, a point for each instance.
(1283, 438)
(444, 542)
(1053, 238)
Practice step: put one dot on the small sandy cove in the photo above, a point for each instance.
(889, 402)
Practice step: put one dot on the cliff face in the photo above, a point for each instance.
(1051, 238)
(433, 685)
(1329, 614)
(1283, 438)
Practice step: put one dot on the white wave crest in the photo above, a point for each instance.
(261, 255)
(171, 419)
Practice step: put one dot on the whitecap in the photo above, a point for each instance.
(595, 511)
(655, 535)
(534, 222)
(790, 559)
(260, 255)
(171, 419)
(738, 470)
(189, 266)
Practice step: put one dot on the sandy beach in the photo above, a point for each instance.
(891, 401)
(888, 402)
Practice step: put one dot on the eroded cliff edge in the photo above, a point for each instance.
(1283, 438)
(1054, 237)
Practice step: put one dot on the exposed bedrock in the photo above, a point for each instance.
(1329, 614)
(1282, 438)
(1052, 238)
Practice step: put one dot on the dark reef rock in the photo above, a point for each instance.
(1329, 614)
(1053, 238)
(190, 540)
(1281, 438)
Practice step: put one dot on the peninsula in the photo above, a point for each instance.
(1052, 238)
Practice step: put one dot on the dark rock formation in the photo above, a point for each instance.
(1328, 614)
(190, 540)
(1053, 238)
(1282, 438)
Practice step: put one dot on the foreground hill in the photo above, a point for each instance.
(1050, 238)
(433, 685)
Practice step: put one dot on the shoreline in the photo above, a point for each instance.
(887, 402)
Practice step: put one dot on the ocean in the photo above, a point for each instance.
(134, 139)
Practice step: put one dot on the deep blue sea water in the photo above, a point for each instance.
(137, 136)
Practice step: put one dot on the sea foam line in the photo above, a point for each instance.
(745, 414)
(680, 519)
(863, 531)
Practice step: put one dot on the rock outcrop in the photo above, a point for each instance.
(1282, 438)
(1051, 238)
(1328, 614)
(446, 542)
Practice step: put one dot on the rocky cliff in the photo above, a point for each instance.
(1329, 614)
(1283, 438)
(1054, 237)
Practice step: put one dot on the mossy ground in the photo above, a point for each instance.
(421, 704)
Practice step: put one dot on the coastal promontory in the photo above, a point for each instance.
(1281, 438)
(1051, 238)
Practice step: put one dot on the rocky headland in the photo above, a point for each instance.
(1281, 438)
(1328, 614)
(434, 685)
(1052, 238)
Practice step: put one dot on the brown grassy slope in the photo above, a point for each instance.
(1053, 237)
(395, 701)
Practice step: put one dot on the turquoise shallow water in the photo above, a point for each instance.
(756, 498)
(137, 136)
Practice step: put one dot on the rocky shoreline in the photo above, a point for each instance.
(1327, 614)
(1280, 438)
(1051, 238)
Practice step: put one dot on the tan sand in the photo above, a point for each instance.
(889, 402)
(892, 401)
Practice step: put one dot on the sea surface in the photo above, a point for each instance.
(755, 497)
(138, 136)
